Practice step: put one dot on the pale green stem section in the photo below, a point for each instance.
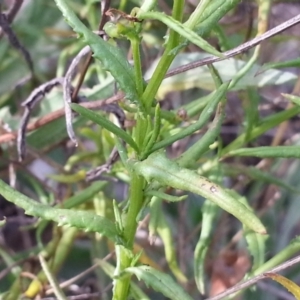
(123, 254)
(166, 59)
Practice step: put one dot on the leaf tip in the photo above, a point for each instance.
(262, 231)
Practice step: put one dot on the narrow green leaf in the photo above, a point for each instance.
(212, 14)
(209, 213)
(257, 247)
(272, 151)
(159, 225)
(282, 64)
(195, 16)
(251, 109)
(183, 30)
(154, 132)
(263, 126)
(194, 107)
(195, 152)
(84, 195)
(110, 56)
(118, 217)
(160, 282)
(98, 119)
(256, 242)
(166, 172)
(216, 97)
(137, 293)
(84, 220)
(258, 175)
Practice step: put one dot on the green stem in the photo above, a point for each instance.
(136, 202)
(124, 257)
(166, 59)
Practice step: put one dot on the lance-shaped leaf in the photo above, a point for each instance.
(256, 242)
(89, 114)
(263, 126)
(84, 220)
(215, 98)
(209, 214)
(184, 31)
(166, 172)
(159, 224)
(84, 195)
(159, 281)
(274, 151)
(110, 56)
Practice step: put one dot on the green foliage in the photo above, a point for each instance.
(159, 281)
(144, 144)
(167, 173)
(80, 219)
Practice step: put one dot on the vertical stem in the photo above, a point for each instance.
(166, 59)
(124, 256)
(136, 202)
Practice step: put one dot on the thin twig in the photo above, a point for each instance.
(14, 41)
(67, 91)
(39, 93)
(238, 50)
(36, 96)
(10, 136)
(12, 12)
(21, 144)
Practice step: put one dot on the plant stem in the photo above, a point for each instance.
(124, 257)
(166, 59)
(136, 202)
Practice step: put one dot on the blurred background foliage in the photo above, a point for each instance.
(51, 161)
